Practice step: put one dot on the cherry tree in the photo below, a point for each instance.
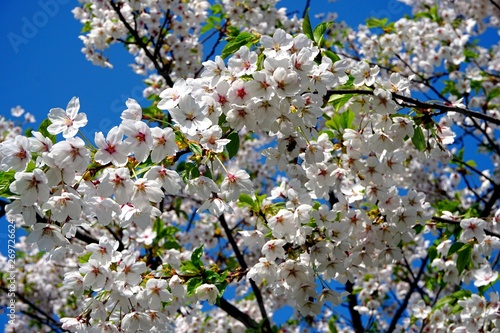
(350, 175)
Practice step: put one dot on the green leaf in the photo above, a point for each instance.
(332, 55)
(471, 163)
(418, 228)
(447, 205)
(450, 88)
(453, 298)
(373, 22)
(235, 43)
(195, 148)
(469, 54)
(188, 170)
(196, 257)
(246, 200)
(217, 9)
(214, 277)
(328, 132)
(455, 247)
(464, 259)
(85, 258)
(31, 166)
(432, 252)
(192, 284)
(306, 26)
(338, 101)
(211, 22)
(331, 324)
(461, 294)
(319, 32)
(494, 92)
(6, 178)
(418, 139)
(86, 27)
(341, 121)
(187, 267)
(234, 145)
(208, 26)
(43, 130)
(168, 245)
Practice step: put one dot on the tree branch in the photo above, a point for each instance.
(404, 305)
(497, 6)
(243, 264)
(237, 314)
(413, 102)
(357, 324)
(162, 70)
(495, 196)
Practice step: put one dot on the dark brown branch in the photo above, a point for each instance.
(237, 314)
(497, 6)
(159, 40)
(495, 196)
(85, 238)
(121, 247)
(161, 69)
(222, 32)
(415, 103)
(404, 305)
(241, 260)
(357, 324)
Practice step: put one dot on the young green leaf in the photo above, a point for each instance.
(43, 130)
(196, 257)
(464, 259)
(234, 145)
(234, 45)
(319, 32)
(6, 178)
(192, 284)
(306, 27)
(419, 139)
(195, 148)
(455, 247)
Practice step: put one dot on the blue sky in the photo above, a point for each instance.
(42, 65)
